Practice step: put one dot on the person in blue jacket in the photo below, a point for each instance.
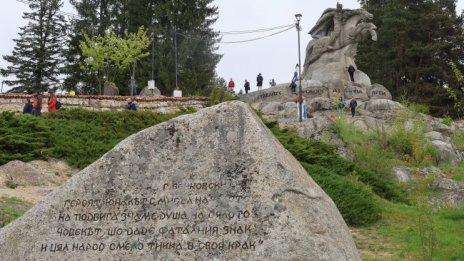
(131, 105)
(27, 109)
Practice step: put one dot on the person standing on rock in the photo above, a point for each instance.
(272, 83)
(353, 105)
(301, 100)
(231, 86)
(351, 71)
(293, 83)
(259, 82)
(341, 105)
(247, 86)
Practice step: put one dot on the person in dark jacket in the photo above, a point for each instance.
(27, 109)
(131, 105)
(247, 86)
(351, 71)
(353, 105)
(259, 81)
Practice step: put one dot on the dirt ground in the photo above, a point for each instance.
(30, 194)
(38, 178)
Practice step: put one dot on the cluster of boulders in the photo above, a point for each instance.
(321, 96)
(375, 112)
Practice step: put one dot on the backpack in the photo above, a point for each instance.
(58, 105)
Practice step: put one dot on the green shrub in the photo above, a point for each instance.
(419, 108)
(354, 200)
(11, 184)
(22, 137)
(407, 140)
(218, 95)
(447, 120)
(78, 136)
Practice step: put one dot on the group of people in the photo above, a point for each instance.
(352, 104)
(300, 100)
(35, 107)
(246, 85)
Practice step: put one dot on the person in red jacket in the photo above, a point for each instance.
(52, 102)
(231, 85)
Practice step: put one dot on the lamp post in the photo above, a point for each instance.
(300, 106)
(175, 52)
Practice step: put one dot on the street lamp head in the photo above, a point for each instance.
(298, 17)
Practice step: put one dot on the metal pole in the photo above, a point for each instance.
(153, 58)
(300, 106)
(2, 87)
(175, 52)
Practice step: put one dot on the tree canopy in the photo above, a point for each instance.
(417, 41)
(184, 23)
(104, 55)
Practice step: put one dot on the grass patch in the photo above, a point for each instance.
(453, 171)
(399, 231)
(11, 208)
(458, 139)
(419, 108)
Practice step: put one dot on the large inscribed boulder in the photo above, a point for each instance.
(215, 185)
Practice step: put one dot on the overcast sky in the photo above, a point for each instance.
(274, 57)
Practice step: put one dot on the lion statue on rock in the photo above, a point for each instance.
(335, 38)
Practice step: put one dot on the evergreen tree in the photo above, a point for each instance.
(188, 23)
(417, 40)
(36, 61)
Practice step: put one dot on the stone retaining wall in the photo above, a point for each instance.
(14, 102)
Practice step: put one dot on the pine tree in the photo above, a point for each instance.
(417, 40)
(188, 23)
(36, 61)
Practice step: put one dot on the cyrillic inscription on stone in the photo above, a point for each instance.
(169, 220)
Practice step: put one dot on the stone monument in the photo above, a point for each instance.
(335, 39)
(329, 54)
(215, 185)
(146, 91)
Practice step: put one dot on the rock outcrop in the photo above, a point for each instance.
(150, 92)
